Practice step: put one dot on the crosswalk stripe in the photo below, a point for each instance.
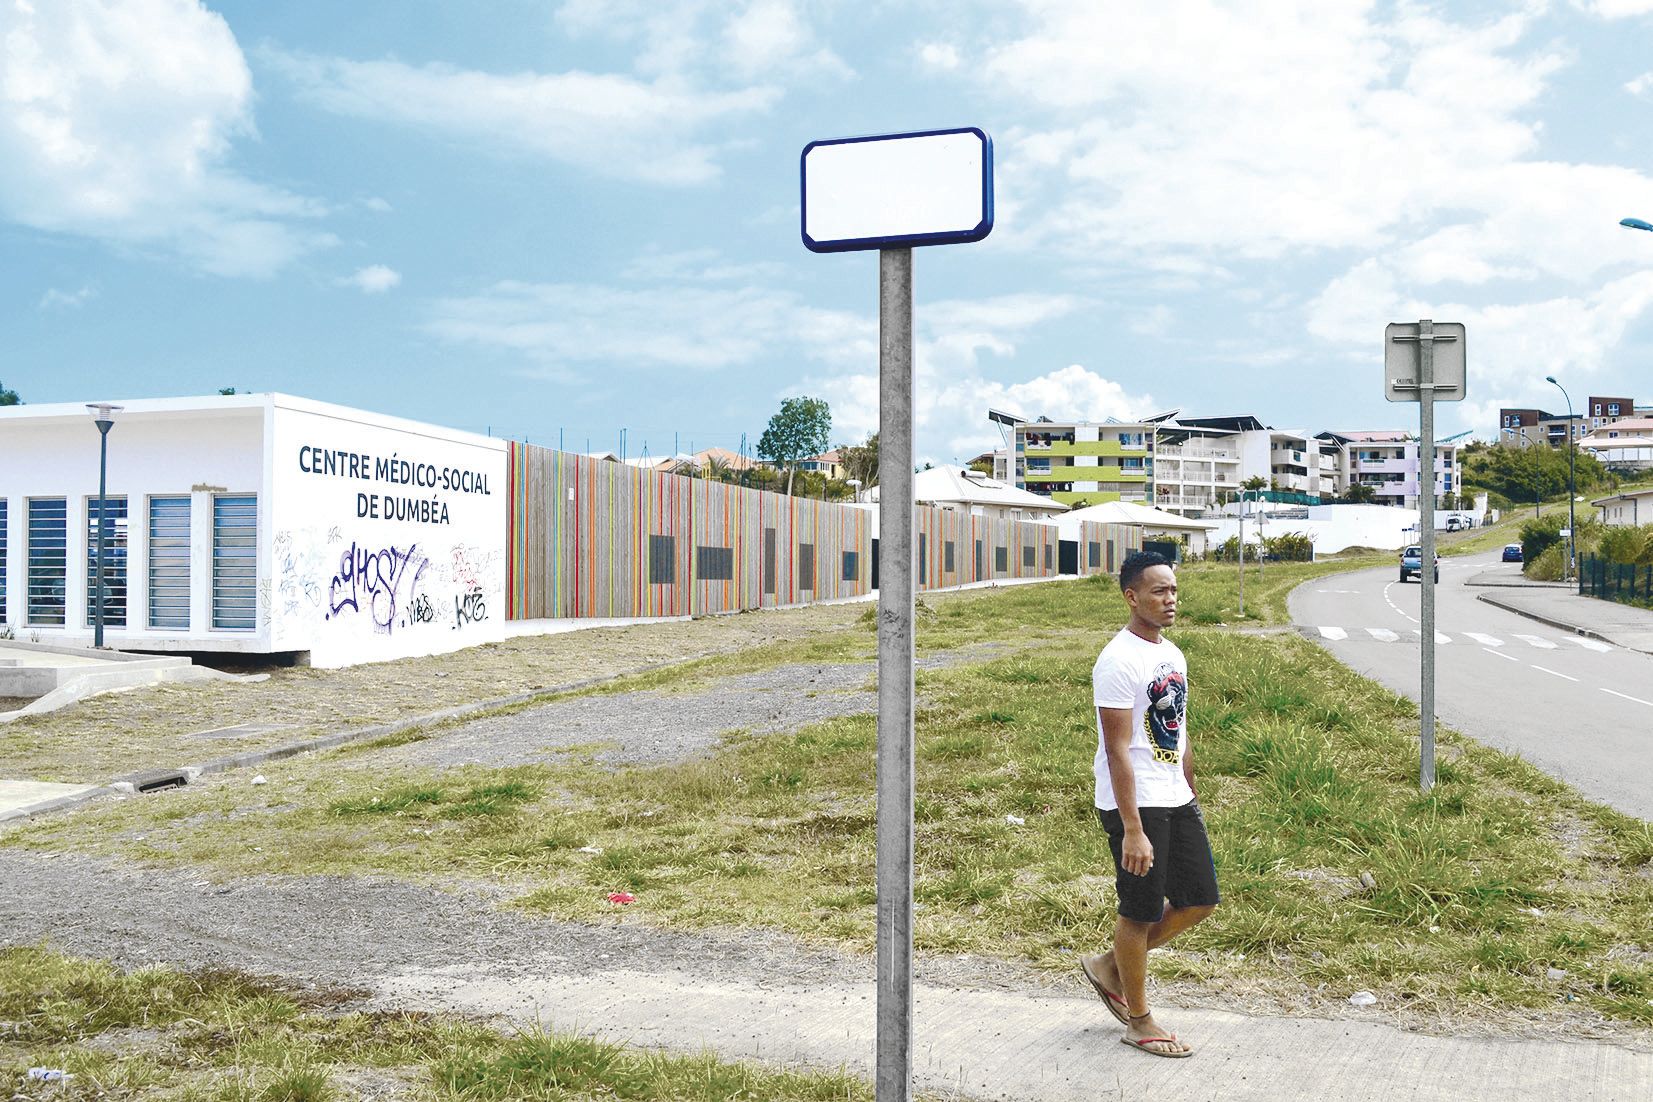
(1439, 638)
(1590, 644)
(1382, 635)
(1533, 640)
(1484, 639)
(1333, 633)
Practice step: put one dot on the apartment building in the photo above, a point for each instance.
(1625, 444)
(1522, 427)
(1081, 462)
(1196, 467)
(1388, 461)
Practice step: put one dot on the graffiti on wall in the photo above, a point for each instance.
(379, 583)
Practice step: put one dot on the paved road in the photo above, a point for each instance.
(1580, 709)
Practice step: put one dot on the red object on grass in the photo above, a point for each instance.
(621, 897)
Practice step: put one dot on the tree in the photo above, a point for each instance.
(1255, 482)
(9, 397)
(226, 390)
(800, 429)
(861, 461)
(982, 466)
(1360, 494)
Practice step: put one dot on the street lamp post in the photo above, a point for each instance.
(103, 415)
(1572, 492)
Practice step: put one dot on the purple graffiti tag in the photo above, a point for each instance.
(381, 577)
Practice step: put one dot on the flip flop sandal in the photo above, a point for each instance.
(1115, 1003)
(1174, 1054)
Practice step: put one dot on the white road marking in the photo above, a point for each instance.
(1393, 605)
(1627, 696)
(1484, 639)
(1439, 638)
(1590, 644)
(1501, 654)
(1533, 640)
(1333, 633)
(1382, 635)
(1569, 677)
(1350, 592)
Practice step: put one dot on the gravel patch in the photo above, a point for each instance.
(654, 726)
(356, 932)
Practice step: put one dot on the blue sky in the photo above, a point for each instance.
(547, 219)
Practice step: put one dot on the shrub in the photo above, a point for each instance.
(1627, 545)
(1539, 535)
(1550, 565)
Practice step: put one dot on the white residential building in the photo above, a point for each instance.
(1388, 461)
(1623, 445)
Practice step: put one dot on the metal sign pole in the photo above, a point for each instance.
(895, 675)
(1426, 561)
(1242, 554)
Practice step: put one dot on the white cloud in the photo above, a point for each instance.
(375, 279)
(55, 299)
(1264, 130)
(638, 334)
(116, 120)
(1510, 347)
(769, 34)
(1617, 9)
(377, 204)
(943, 56)
(609, 124)
(706, 39)
(562, 328)
(1640, 85)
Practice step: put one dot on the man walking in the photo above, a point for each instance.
(1145, 797)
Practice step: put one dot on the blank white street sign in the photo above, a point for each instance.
(897, 190)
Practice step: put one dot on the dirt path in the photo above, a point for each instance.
(649, 727)
(985, 1030)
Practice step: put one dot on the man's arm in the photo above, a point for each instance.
(1137, 854)
(1188, 764)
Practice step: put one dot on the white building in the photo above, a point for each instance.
(1626, 444)
(1627, 510)
(1080, 462)
(966, 491)
(257, 523)
(1388, 461)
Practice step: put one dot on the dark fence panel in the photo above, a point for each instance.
(1626, 583)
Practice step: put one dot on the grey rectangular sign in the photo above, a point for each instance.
(1403, 343)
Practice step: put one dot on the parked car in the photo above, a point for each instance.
(1512, 552)
(1411, 563)
(1456, 523)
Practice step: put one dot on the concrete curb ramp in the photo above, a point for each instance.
(1049, 1048)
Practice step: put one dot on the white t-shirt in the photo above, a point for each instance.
(1151, 679)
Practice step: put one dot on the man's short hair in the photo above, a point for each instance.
(1137, 562)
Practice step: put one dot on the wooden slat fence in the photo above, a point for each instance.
(594, 538)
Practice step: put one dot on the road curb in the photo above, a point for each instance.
(1559, 625)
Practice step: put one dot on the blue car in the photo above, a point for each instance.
(1512, 552)
(1411, 564)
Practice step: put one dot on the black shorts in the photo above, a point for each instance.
(1182, 872)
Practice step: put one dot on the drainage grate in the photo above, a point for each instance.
(157, 780)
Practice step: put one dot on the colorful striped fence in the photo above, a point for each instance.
(594, 538)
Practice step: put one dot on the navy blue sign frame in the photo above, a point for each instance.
(906, 240)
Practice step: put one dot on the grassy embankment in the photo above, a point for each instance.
(1308, 775)
(161, 1034)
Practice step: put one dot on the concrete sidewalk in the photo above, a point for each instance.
(985, 1030)
(1562, 608)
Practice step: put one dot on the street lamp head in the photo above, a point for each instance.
(1636, 223)
(1550, 379)
(103, 413)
